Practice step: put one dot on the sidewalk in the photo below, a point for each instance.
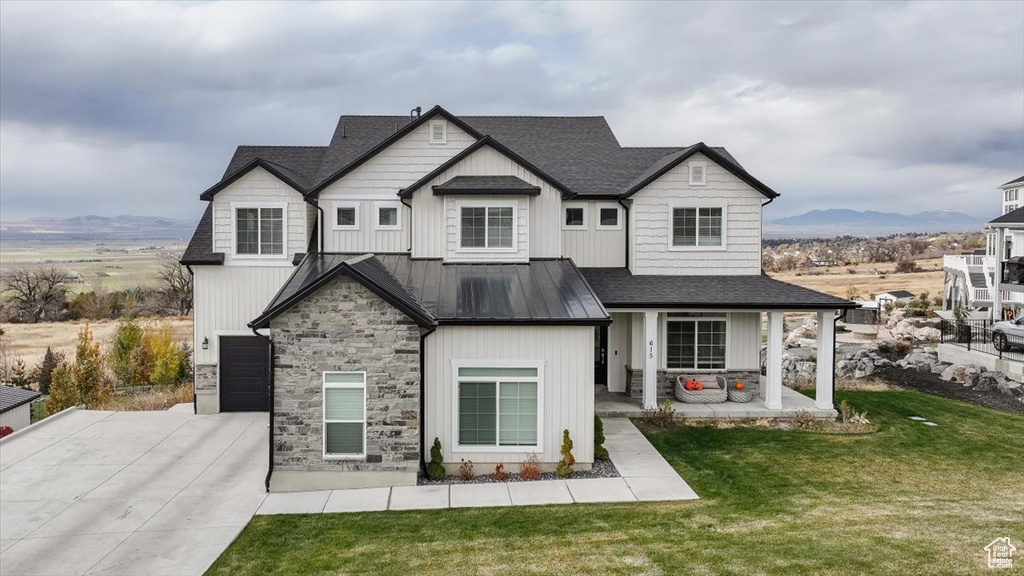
(645, 476)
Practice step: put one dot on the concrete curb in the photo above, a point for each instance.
(39, 424)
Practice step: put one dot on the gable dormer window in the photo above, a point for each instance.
(438, 131)
(489, 227)
(698, 173)
(259, 230)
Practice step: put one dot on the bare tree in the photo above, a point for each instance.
(34, 294)
(177, 285)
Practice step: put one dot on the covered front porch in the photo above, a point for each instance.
(619, 405)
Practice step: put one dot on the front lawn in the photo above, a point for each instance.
(909, 499)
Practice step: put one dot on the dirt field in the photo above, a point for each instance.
(30, 340)
(112, 266)
(869, 279)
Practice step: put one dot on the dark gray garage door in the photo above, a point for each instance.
(244, 361)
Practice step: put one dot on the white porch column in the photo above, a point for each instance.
(773, 390)
(826, 360)
(650, 360)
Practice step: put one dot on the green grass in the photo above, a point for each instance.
(909, 499)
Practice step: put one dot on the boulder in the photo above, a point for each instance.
(927, 334)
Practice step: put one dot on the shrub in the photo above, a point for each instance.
(167, 356)
(63, 393)
(466, 470)
(802, 420)
(529, 469)
(44, 373)
(87, 371)
(600, 452)
(19, 373)
(6, 431)
(435, 469)
(564, 468)
(126, 340)
(906, 266)
(661, 417)
(499, 473)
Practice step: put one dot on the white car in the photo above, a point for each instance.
(1008, 334)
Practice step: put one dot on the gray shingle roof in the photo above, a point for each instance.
(11, 398)
(200, 247)
(618, 288)
(300, 163)
(1017, 181)
(1012, 217)
(486, 185)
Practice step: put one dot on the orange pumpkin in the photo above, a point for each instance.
(698, 386)
(739, 385)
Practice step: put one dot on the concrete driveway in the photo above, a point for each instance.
(93, 492)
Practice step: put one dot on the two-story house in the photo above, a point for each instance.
(473, 279)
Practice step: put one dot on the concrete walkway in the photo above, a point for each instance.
(92, 492)
(646, 476)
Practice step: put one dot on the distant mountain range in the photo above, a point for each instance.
(96, 229)
(839, 221)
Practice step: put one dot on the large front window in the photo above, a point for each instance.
(695, 341)
(498, 406)
(487, 227)
(259, 231)
(696, 227)
(344, 414)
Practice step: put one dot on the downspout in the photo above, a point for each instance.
(195, 404)
(423, 400)
(626, 217)
(316, 204)
(270, 434)
(835, 321)
(402, 200)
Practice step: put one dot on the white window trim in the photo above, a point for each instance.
(704, 171)
(235, 206)
(444, 131)
(537, 364)
(485, 250)
(618, 218)
(323, 413)
(344, 204)
(698, 204)
(376, 215)
(583, 225)
(663, 334)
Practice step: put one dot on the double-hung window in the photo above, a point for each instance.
(487, 227)
(344, 414)
(259, 231)
(498, 406)
(695, 341)
(697, 227)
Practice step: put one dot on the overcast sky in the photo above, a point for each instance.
(136, 108)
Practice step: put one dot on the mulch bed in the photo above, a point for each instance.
(932, 384)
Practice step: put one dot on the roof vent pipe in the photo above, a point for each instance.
(415, 112)
(343, 131)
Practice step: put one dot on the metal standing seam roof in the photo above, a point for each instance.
(618, 288)
(538, 292)
(11, 398)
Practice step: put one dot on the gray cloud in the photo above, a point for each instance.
(136, 108)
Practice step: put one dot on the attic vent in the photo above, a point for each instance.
(438, 132)
(698, 173)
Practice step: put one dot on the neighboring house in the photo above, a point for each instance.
(474, 279)
(895, 297)
(16, 407)
(992, 280)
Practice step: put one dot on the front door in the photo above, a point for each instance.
(601, 355)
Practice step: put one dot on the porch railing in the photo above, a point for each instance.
(979, 336)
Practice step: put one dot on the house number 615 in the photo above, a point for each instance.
(650, 349)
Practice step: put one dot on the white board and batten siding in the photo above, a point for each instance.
(619, 337)
(436, 218)
(743, 344)
(17, 418)
(650, 221)
(594, 246)
(567, 387)
(378, 180)
(227, 298)
(260, 188)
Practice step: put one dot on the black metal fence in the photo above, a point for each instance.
(981, 336)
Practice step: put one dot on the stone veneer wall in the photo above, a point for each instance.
(666, 381)
(205, 378)
(346, 327)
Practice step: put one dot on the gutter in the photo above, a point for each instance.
(270, 434)
(626, 217)
(423, 401)
(195, 401)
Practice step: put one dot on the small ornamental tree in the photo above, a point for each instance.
(19, 373)
(87, 371)
(564, 467)
(600, 452)
(44, 374)
(127, 338)
(435, 469)
(167, 356)
(63, 393)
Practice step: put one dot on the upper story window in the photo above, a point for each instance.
(608, 218)
(438, 131)
(344, 414)
(389, 216)
(698, 173)
(1011, 195)
(487, 227)
(575, 217)
(346, 215)
(1009, 208)
(259, 230)
(698, 227)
